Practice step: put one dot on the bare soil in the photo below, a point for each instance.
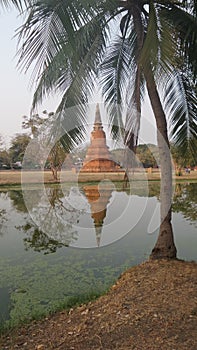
(153, 306)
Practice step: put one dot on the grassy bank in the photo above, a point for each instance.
(71, 303)
(149, 307)
(15, 177)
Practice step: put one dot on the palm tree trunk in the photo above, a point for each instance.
(165, 246)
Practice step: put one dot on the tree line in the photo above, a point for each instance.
(146, 155)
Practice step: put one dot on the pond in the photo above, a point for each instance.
(63, 242)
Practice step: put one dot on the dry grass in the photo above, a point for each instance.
(14, 177)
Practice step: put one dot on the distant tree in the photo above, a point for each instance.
(146, 155)
(4, 155)
(56, 158)
(18, 146)
(1, 142)
(39, 125)
(33, 123)
(4, 158)
(183, 158)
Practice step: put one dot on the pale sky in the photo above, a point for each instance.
(15, 93)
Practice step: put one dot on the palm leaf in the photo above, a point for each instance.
(19, 4)
(79, 75)
(150, 49)
(180, 104)
(115, 72)
(186, 28)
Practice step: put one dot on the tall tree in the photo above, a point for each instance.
(18, 146)
(4, 154)
(34, 122)
(184, 157)
(127, 45)
(57, 153)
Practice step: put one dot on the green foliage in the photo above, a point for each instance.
(180, 103)
(184, 157)
(69, 282)
(72, 46)
(4, 154)
(34, 122)
(18, 147)
(19, 4)
(57, 155)
(4, 158)
(185, 201)
(148, 155)
(40, 125)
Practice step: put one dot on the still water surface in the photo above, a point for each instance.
(76, 241)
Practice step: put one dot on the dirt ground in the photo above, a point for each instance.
(153, 306)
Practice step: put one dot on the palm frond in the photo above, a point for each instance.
(42, 37)
(115, 72)
(150, 49)
(67, 128)
(54, 79)
(133, 114)
(180, 104)
(186, 28)
(79, 75)
(19, 4)
(168, 44)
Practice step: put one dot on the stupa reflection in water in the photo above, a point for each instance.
(98, 197)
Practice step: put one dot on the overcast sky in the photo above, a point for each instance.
(15, 93)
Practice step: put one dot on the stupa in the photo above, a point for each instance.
(98, 157)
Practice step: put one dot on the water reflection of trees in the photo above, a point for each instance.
(59, 216)
(53, 220)
(3, 213)
(3, 219)
(39, 241)
(16, 197)
(139, 188)
(34, 238)
(185, 200)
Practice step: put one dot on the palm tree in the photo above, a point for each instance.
(19, 4)
(125, 45)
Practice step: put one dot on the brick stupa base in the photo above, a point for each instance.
(100, 165)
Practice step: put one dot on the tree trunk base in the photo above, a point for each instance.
(159, 253)
(164, 247)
